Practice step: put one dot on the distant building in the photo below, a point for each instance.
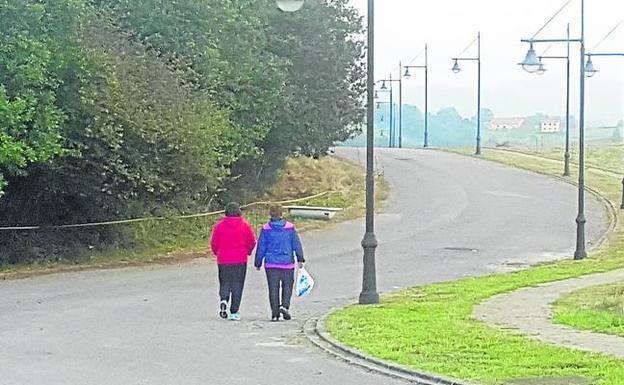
(550, 126)
(505, 124)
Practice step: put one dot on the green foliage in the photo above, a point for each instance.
(30, 118)
(115, 109)
(326, 76)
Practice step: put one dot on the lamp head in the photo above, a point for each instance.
(383, 85)
(456, 68)
(376, 94)
(541, 70)
(289, 5)
(590, 71)
(378, 105)
(407, 74)
(531, 63)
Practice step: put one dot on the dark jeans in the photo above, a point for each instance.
(283, 279)
(231, 283)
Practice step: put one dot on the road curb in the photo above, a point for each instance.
(315, 331)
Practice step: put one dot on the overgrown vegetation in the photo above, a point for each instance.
(599, 309)
(431, 327)
(174, 240)
(114, 109)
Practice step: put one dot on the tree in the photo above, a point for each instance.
(30, 117)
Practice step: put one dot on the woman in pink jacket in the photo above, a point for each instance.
(232, 241)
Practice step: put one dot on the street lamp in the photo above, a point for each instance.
(590, 71)
(529, 64)
(385, 87)
(456, 69)
(369, 293)
(407, 75)
(541, 70)
(391, 103)
(289, 5)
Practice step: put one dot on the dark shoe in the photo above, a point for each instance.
(223, 310)
(275, 318)
(285, 313)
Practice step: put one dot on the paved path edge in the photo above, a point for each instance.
(316, 332)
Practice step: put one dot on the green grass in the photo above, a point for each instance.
(430, 328)
(176, 240)
(599, 309)
(605, 157)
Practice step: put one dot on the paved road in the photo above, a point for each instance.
(448, 217)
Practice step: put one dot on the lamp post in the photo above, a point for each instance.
(378, 106)
(531, 64)
(369, 293)
(456, 69)
(391, 103)
(407, 75)
(391, 81)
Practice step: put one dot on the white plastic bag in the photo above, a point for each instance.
(304, 283)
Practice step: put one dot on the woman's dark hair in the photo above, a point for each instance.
(233, 209)
(275, 211)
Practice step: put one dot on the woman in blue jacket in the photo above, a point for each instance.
(278, 248)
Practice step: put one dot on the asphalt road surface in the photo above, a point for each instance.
(448, 217)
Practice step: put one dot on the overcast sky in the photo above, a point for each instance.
(448, 26)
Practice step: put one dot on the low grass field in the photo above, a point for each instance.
(599, 309)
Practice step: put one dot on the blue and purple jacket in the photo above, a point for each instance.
(278, 245)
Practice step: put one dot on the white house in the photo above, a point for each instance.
(504, 124)
(550, 126)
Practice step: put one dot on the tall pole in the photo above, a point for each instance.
(478, 151)
(369, 293)
(566, 166)
(426, 100)
(580, 252)
(622, 206)
(391, 136)
(400, 106)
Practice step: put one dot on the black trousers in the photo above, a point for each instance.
(231, 284)
(283, 279)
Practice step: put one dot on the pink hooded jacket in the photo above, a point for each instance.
(232, 241)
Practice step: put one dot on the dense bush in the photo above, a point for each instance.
(116, 109)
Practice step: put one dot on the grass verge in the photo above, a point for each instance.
(431, 328)
(599, 309)
(604, 157)
(176, 240)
